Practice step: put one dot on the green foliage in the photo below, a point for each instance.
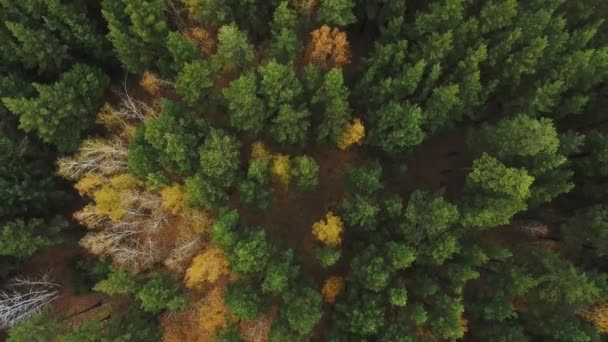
(202, 193)
(445, 317)
(560, 282)
(231, 333)
(46, 36)
(360, 312)
(161, 292)
(519, 136)
(246, 109)
(332, 97)
(223, 233)
(372, 270)
(398, 296)
(336, 12)
(22, 238)
(243, 301)
(255, 190)
(233, 48)
(365, 180)
(400, 256)
(587, 228)
(280, 273)
(327, 255)
(39, 48)
(398, 128)
(360, 213)
(118, 282)
(303, 309)
(134, 325)
(86, 332)
(195, 84)
(62, 110)
(279, 84)
(251, 254)
(138, 31)
(219, 158)
(182, 51)
(427, 216)
(494, 193)
(290, 126)
(305, 173)
(284, 38)
(37, 328)
(280, 331)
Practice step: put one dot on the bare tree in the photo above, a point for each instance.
(24, 297)
(105, 156)
(533, 229)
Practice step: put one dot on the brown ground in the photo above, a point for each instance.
(75, 308)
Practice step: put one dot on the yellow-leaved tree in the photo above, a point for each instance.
(353, 134)
(332, 287)
(329, 231)
(91, 181)
(281, 170)
(207, 268)
(597, 315)
(174, 198)
(113, 198)
(259, 150)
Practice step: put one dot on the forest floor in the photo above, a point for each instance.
(71, 304)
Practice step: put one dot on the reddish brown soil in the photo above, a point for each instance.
(441, 162)
(74, 307)
(293, 213)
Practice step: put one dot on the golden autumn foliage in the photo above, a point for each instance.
(280, 168)
(211, 312)
(199, 323)
(108, 202)
(151, 83)
(353, 134)
(202, 38)
(88, 183)
(329, 231)
(328, 48)
(208, 267)
(124, 181)
(174, 198)
(332, 287)
(597, 315)
(259, 150)
(109, 199)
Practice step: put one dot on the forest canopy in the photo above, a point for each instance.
(303, 170)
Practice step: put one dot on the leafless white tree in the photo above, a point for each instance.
(105, 156)
(24, 297)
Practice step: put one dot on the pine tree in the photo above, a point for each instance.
(62, 110)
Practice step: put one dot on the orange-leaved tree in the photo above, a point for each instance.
(332, 287)
(151, 83)
(328, 48)
(202, 38)
(329, 231)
